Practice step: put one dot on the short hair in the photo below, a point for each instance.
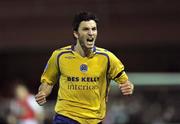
(83, 16)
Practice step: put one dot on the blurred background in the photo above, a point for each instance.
(144, 34)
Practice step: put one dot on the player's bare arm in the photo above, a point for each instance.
(126, 87)
(43, 92)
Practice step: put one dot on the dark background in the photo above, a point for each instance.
(144, 34)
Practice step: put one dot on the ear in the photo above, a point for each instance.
(75, 33)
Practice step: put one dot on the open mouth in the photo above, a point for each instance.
(90, 39)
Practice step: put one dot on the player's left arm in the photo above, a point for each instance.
(118, 74)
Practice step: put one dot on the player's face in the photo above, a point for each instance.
(86, 34)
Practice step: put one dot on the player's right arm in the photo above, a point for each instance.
(44, 91)
(48, 79)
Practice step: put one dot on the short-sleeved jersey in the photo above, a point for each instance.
(83, 82)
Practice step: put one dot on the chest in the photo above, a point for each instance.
(73, 65)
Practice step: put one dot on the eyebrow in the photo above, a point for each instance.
(85, 28)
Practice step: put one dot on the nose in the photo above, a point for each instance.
(90, 32)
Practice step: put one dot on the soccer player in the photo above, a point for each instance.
(84, 72)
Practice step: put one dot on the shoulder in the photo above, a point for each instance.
(111, 56)
(104, 51)
(62, 50)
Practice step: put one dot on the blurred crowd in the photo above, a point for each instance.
(21, 108)
(155, 105)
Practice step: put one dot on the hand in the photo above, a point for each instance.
(126, 88)
(40, 98)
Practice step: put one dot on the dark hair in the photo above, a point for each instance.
(83, 16)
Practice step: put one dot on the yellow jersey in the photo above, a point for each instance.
(83, 82)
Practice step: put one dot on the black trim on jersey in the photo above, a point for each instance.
(107, 58)
(108, 66)
(59, 57)
(67, 48)
(118, 75)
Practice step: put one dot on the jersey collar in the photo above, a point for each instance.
(93, 53)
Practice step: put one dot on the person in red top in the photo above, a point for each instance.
(24, 107)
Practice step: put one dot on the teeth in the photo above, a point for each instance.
(89, 39)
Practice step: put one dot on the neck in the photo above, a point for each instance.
(84, 52)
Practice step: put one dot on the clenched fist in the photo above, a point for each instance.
(126, 88)
(40, 98)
